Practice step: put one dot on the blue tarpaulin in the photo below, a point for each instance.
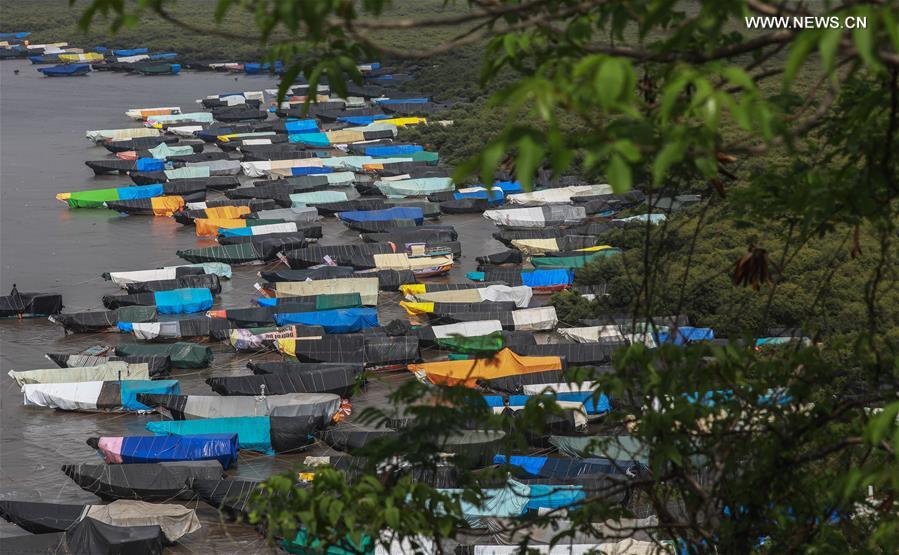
(309, 139)
(509, 187)
(563, 467)
(164, 56)
(292, 126)
(253, 432)
(397, 213)
(130, 389)
(131, 52)
(255, 69)
(602, 404)
(362, 120)
(150, 165)
(23, 34)
(686, 334)
(140, 191)
(309, 170)
(420, 100)
(207, 447)
(387, 151)
(346, 320)
(547, 278)
(183, 301)
(544, 496)
(493, 196)
(66, 69)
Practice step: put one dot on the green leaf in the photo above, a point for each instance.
(287, 80)
(392, 517)
(627, 149)
(619, 174)
(530, 155)
(864, 41)
(799, 51)
(609, 82)
(670, 154)
(334, 512)
(827, 46)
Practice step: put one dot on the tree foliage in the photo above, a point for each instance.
(789, 134)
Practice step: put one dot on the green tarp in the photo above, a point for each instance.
(429, 158)
(571, 262)
(182, 354)
(482, 345)
(342, 300)
(619, 448)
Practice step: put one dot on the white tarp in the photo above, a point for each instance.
(366, 287)
(516, 217)
(355, 163)
(520, 295)
(138, 113)
(606, 334)
(561, 195)
(302, 214)
(154, 330)
(132, 59)
(186, 131)
(286, 227)
(293, 404)
(536, 246)
(535, 319)
(111, 371)
(262, 168)
(479, 328)
(140, 276)
(175, 520)
(200, 117)
(99, 135)
(544, 388)
(65, 396)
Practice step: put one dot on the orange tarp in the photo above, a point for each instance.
(207, 227)
(467, 372)
(226, 212)
(127, 155)
(166, 206)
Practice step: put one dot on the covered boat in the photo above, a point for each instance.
(356, 220)
(415, 234)
(144, 113)
(23, 305)
(541, 318)
(151, 449)
(231, 496)
(156, 206)
(96, 198)
(191, 281)
(258, 339)
(520, 295)
(103, 167)
(90, 536)
(479, 337)
(92, 396)
(484, 309)
(555, 244)
(367, 288)
(103, 320)
(346, 320)
(336, 379)
(192, 407)
(122, 279)
(540, 281)
(257, 250)
(182, 355)
(359, 204)
(537, 217)
(365, 349)
(415, 187)
(573, 260)
(609, 333)
(574, 354)
(41, 518)
(96, 356)
(268, 434)
(201, 327)
(100, 135)
(410, 290)
(558, 195)
(176, 301)
(468, 372)
(148, 482)
(66, 70)
(111, 371)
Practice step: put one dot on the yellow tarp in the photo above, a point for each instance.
(403, 122)
(413, 289)
(209, 227)
(415, 309)
(166, 206)
(74, 58)
(227, 212)
(467, 372)
(366, 287)
(402, 261)
(345, 136)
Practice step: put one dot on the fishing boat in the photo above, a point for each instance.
(66, 70)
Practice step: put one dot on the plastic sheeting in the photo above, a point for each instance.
(333, 321)
(468, 372)
(96, 395)
(183, 301)
(560, 195)
(149, 449)
(191, 407)
(149, 482)
(537, 217)
(415, 187)
(366, 287)
(109, 371)
(520, 295)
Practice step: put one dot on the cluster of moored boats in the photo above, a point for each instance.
(261, 184)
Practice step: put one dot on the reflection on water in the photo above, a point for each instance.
(44, 246)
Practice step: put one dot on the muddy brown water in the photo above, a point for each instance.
(46, 247)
